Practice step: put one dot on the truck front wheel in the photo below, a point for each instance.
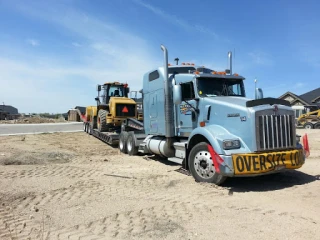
(201, 165)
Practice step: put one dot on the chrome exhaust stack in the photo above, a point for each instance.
(168, 101)
(230, 62)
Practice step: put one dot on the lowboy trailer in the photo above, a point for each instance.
(202, 119)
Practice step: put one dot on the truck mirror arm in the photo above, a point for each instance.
(195, 109)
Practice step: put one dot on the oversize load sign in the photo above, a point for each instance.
(266, 162)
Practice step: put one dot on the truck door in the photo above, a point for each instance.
(184, 123)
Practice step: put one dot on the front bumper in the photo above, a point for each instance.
(255, 164)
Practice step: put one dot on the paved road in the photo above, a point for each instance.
(22, 129)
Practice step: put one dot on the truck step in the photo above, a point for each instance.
(179, 145)
(176, 160)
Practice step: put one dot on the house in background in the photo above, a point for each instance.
(307, 102)
(8, 112)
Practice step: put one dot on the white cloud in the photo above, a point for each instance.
(260, 58)
(51, 83)
(299, 85)
(309, 53)
(176, 20)
(76, 44)
(33, 42)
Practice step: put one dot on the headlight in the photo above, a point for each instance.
(231, 144)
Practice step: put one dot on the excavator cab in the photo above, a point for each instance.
(112, 89)
(113, 106)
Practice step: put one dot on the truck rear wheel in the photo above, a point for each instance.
(201, 165)
(131, 144)
(123, 141)
(102, 121)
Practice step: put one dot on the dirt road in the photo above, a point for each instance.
(21, 129)
(72, 186)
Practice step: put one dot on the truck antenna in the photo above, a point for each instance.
(177, 61)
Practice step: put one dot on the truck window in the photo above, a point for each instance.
(211, 87)
(116, 91)
(187, 91)
(153, 75)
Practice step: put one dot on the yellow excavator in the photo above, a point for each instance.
(310, 119)
(113, 107)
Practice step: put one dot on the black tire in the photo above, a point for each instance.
(85, 127)
(316, 126)
(131, 144)
(102, 121)
(89, 129)
(123, 141)
(308, 125)
(201, 165)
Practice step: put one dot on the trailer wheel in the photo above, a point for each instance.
(201, 165)
(131, 144)
(308, 125)
(102, 121)
(317, 126)
(123, 141)
(85, 127)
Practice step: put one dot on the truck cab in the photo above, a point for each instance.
(202, 118)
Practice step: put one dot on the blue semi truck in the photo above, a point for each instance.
(202, 119)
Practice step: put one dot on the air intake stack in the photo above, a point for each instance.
(168, 103)
(230, 62)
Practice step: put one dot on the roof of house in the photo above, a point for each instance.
(294, 96)
(81, 109)
(9, 109)
(308, 98)
(311, 97)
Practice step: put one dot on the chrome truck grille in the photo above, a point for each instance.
(275, 131)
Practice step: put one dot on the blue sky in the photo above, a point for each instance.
(53, 53)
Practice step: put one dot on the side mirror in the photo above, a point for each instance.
(97, 99)
(98, 88)
(259, 93)
(177, 96)
(127, 90)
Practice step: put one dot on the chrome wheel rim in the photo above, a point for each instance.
(129, 146)
(203, 164)
(121, 144)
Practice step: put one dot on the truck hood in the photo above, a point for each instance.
(236, 102)
(231, 114)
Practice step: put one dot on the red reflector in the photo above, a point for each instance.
(125, 109)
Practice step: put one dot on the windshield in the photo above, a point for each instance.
(212, 87)
(116, 91)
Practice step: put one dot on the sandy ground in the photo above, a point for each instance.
(72, 186)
